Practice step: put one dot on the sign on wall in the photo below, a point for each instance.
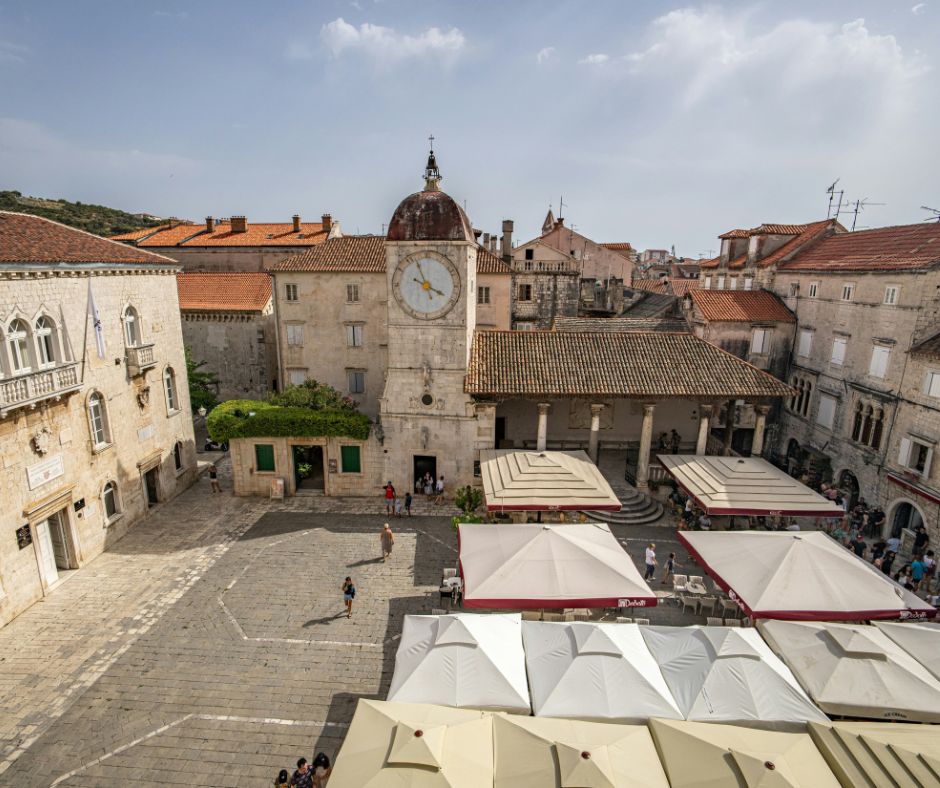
(145, 433)
(333, 466)
(24, 537)
(45, 471)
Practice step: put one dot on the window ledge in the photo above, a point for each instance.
(181, 471)
(114, 518)
(101, 448)
(171, 413)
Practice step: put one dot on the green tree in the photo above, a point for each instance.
(202, 385)
(314, 396)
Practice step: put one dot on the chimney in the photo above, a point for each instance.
(239, 224)
(327, 221)
(507, 240)
(486, 240)
(296, 218)
(493, 243)
(210, 224)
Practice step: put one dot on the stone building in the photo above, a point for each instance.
(228, 323)
(232, 244)
(95, 423)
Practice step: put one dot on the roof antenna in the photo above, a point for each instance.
(561, 207)
(859, 206)
(832, 192)
(934, 211)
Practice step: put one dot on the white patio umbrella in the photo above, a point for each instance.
(920, 639)
(855, 670)
(803, 576)
(518, 566)
(592, 671)
(464, 660)
(719, 674)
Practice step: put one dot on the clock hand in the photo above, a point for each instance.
(421, 270)
(436, 290)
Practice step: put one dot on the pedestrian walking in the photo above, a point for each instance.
(387, 538)
(440, 490)
(428, 484)
(918, 570)
(303, 777)
(670, 567)
(321, 770)
(920, 541)
(214, 478)
(408, 500)
(650, 561)
(389, 497)
(398, 503)
(282, 780)
(887, 562)
(349, 594)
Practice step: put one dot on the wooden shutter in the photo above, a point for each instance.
(905, 453)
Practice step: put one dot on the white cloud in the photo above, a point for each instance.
(13, 53)
(594, 59)
(545, 54)
(387, 44)
(918, 9)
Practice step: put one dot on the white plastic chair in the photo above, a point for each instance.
(624, 620)
(679, 583)
(641, 621)
(438, 611)
(707, 603)
(552, 617)
(712, 621)
(732, 622)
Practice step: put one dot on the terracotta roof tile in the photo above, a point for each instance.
(256, 234)
(680, 287)
(623, 248)
(741, 306)
(32, 239)
(224, 292)
(929, 347)
(619, 324)
(655, 365)
(803, 234)
(904, 247)
(739, 233)
(489, 263)
(651, 285)
(778, 229)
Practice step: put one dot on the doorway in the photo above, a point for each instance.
(54, 546)
(308, 468)
(500, 432)
(905, 516)
(424, 464)
(152, 487)
(848, 485)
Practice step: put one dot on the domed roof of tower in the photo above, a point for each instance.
(430, 215)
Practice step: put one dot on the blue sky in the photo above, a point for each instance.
(660, 123)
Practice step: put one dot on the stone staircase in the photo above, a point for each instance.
(638, 508)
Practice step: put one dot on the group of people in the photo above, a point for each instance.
(918, 575)
(425, 485)
(307, 775)
(670, 441)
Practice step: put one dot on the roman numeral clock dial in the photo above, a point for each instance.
(426, 285)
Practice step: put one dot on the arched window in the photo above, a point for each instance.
(857, 422)
(169, 386)
(45, 340)
(796, 384)
(866, 425)
(878, 429)
(109, 499)
(809, 393)
(18, 341)
(178, 456)
(98, 420)
(131, 327)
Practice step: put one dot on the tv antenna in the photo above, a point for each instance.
(832, 192)
(934, 211)
(860, 205)
(561, 207)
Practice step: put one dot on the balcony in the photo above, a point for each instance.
(34, 387)
(140, 359)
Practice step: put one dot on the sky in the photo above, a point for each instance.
(659, 124)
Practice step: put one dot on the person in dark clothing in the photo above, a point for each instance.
(282, 780)
(859, 546)
(303, 777)
(887, 562)
(321, 770)
(920, 540)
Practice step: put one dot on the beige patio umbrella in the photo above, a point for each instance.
(920, 639)
(879, 754)
(538, 752)
(710, 755)
(413, 745)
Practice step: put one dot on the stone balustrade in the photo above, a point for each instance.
(27, 390)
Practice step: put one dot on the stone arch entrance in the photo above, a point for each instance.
(794, 456)
(847, 482)
(902, 514)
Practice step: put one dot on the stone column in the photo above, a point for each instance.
(757, 445)
(595, 431)
(705, 415)
(729, 428)
(646, 441)
(542, 434)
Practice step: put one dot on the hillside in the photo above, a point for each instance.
(94, 218)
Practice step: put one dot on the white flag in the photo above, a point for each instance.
(96, 322)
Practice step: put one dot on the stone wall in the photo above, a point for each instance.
(553, 294)
(497, 314)
(240, 258)
(49, 463)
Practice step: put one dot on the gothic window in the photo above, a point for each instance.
(169, 386)
(109, 497)
(131, 327)
(868, 424)
(877, 429)
(45, 339)
(18, 342)
(98, 420)
(857, 422)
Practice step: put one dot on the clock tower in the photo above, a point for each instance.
(428, 423)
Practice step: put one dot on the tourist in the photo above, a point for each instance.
(387, 539)
(303, 777)
(650, 561)
(349, 594)
(440, 490)
(876, 519)
(398, 504)
(905, 577)
(321, 770)
(859, 545)
(214, 478)
(930, 569)
(282, 780)
(428, 484)
(389, 497)
(920, 541)
(894, 544)
(887, 562)
(675, 441)
(670, 567)
(664, 441)
(408, 500)
(917, 572)
(878, 550)
(704, 522)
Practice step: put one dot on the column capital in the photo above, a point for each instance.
(596, 408)
(649, 407)
(762, 410)
(544, 407)
(706, 409)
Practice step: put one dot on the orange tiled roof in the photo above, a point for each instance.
(619, 324)
(32, 239)
(803, 234)
(739, 233)
(256, 234)
(737, 306)
(623, 248)
(489, 263)
(680, 287)
(904, 247)
(651, 286)
(603, 363)
(224, 292)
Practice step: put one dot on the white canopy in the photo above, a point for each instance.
(594, 671)
(720, 674)
(745, 486)
(802, 576)
(548, 566)
(855, 670)
(920, 639)
(464, 660)
(516, 480)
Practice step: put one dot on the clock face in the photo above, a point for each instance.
(426, 287)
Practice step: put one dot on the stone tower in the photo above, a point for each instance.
(428, 422)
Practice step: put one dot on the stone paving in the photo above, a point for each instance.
(209, 646)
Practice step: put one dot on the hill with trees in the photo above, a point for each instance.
(96, 219)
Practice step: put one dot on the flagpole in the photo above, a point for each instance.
(85, 336)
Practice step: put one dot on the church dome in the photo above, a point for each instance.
(430, 215)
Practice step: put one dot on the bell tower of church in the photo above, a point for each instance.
(428, 422)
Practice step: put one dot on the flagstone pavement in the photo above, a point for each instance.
(209, 646)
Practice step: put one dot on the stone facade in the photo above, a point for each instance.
(89, 444)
